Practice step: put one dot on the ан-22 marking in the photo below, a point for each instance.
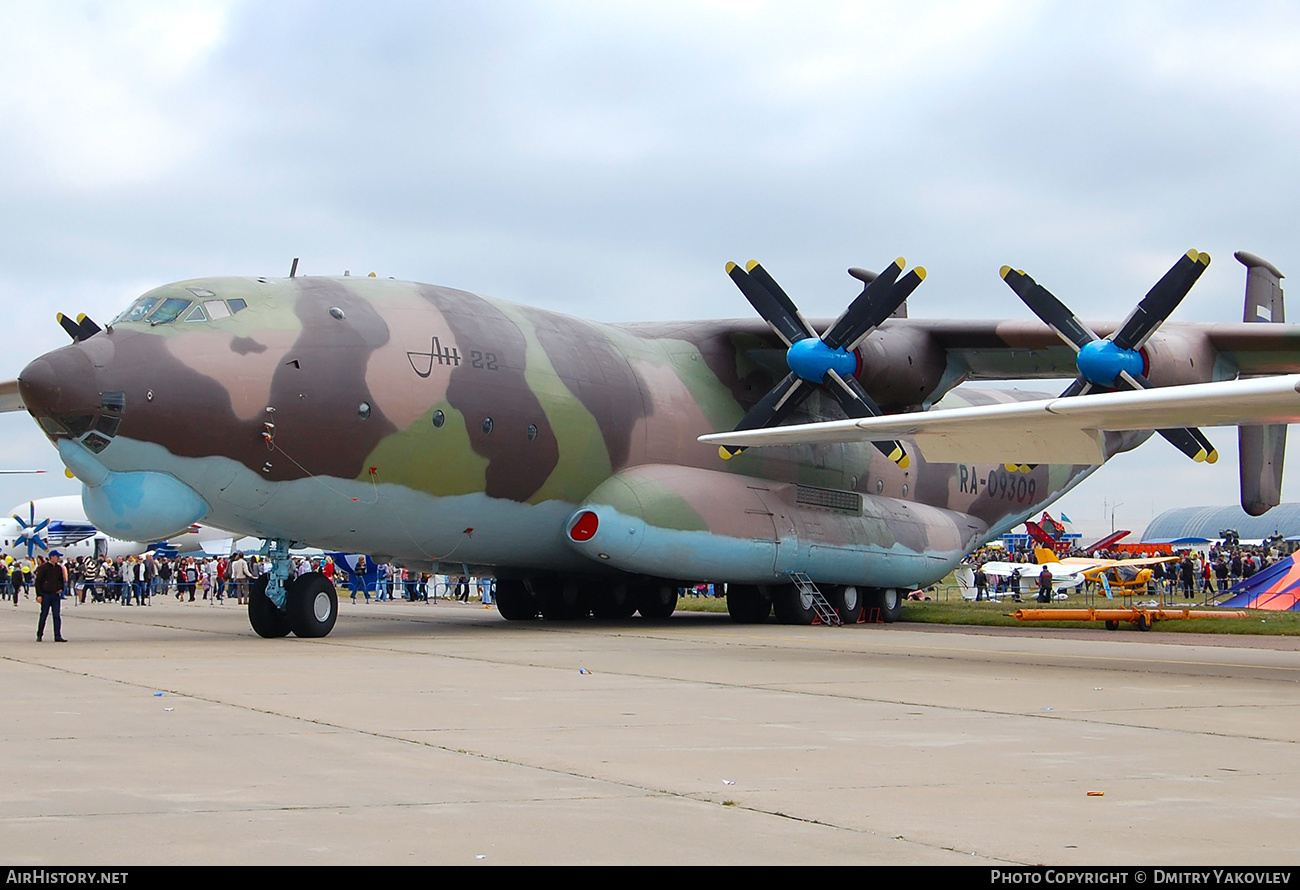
(422, 362)
(999, 484)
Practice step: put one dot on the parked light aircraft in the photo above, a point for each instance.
(456, 433)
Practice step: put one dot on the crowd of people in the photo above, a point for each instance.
(1192, 574)
(135, 580)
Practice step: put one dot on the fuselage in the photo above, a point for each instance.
(437, 427)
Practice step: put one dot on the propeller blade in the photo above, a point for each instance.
(774, 407)
(759, 274)
(1189, 440)
(1161, 300)
(856, 403)
(870, 308)
(70, 327)
(1047, 307)
(87, 327)
(786, 324)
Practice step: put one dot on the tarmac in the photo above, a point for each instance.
(421, 733)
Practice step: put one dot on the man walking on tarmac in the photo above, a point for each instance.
(50, 581)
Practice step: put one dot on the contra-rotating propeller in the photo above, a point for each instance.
(1117, 362)
(829, 360)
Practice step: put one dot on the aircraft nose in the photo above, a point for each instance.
(60, 384)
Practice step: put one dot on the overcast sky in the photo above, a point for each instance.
(605, 159)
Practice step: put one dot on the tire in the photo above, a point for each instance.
(514, 601)
(1112, 624)
(656, 600)
(312, 606)
(747, 605)
(560, 599)
(792, 606)
(848, 602)
(612, 601)
(266, 619)
(887, 602)
(1143, 621)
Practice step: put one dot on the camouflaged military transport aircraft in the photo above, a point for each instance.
(452, 432)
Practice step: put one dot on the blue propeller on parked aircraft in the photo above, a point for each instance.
(1117, 361)
(830, 361)
(30, 531)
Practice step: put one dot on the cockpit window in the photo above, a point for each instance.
(167, 311)
(216, 309)
(137, 310)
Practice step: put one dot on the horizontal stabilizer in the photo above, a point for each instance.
(1060, 430)
(10, 400)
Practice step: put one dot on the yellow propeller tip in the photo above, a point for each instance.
(900, 263)
(749, 267)
(905, 462)
(1200, 456)
(1004, 272)
(68, 473)
(730, 267)
(1212, 457)
(920, 272)
(1203, 259)
(724, 453)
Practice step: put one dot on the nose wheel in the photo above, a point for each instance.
(311, 608)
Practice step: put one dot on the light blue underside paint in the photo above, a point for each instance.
(630, 544)
(135, 506)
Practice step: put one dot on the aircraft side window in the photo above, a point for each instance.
(237, 305)
(216, 309)
(168, 310)
(196, 314)
(439, 418)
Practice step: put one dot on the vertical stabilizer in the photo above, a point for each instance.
(1262, 448)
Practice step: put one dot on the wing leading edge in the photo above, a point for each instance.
(1060, 430)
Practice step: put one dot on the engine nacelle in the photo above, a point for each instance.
(901, 366)
(1177, 358)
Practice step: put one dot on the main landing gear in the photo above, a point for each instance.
(568, 598)
(748, 604)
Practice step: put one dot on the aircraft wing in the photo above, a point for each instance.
(1060, 430)
(10, 400)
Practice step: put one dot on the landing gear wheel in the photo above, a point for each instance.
(747, 605)
(614, 602)
(1144, 621)
(266, 619)
(887, 601)
(848, 602)
(1112, 624)
(514, 601)
(312, 605)
(656, 600)
(792, 605)
(560, 599)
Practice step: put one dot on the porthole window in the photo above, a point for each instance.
(439, 418)
(487, 425)
(880, 485)
(532, 432)
(904, 489)
(363, 411)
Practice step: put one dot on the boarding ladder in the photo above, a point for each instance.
(825, 613)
